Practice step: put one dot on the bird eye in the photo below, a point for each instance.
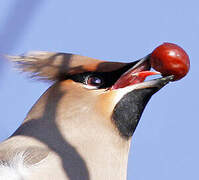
(94, 81)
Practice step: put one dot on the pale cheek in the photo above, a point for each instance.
(106, 103)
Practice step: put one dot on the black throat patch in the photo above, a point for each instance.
(129, 109)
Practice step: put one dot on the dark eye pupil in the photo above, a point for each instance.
(94, 81)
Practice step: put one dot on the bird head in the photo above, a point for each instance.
(112, 93)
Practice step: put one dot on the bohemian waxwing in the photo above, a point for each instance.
(81, 127)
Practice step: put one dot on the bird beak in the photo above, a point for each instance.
(135, 76)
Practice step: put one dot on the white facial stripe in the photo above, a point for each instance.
(89, 87)
(148, 84)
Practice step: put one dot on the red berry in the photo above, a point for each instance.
(170, 59)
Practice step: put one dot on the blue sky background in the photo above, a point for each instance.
(165, 144)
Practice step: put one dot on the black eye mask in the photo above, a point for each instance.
(108, 78)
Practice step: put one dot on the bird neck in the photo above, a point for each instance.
(104, 152)
(84, 142)
(97, 151)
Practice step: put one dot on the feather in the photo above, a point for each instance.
(42, 65)
(13, 169)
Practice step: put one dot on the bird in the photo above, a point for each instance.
(81, 127)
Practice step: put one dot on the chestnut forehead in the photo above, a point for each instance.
(94, 66)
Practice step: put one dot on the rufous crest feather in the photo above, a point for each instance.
(55, 66)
